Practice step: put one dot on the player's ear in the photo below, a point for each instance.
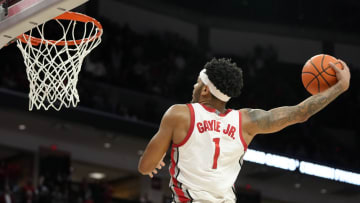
(205, 90)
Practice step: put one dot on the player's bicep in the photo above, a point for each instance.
(262, 122)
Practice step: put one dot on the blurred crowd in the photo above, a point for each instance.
(165, 65)
(19, 188)
(155, 63)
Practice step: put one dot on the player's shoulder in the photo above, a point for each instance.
(245, 114)
(248, 111)
(178, 112)
(250, 118)
(179, 107)
(245, 111)
(250, 114)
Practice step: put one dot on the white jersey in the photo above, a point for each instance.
(205, 165)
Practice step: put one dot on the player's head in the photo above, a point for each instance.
(221, 78)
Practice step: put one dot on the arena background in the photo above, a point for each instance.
(151, 54)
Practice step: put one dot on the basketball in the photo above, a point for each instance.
(317, 74)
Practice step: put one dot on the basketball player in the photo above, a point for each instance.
(209, 141)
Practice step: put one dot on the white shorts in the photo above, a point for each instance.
(201, 196)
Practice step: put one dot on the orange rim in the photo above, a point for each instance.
(24, 38)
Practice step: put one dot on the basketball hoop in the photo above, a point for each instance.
(52, 66)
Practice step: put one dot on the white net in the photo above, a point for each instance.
(52, 66)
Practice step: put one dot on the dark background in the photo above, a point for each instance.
(136, 75)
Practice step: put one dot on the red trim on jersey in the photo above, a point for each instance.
(191, 129)
(240, 133)
(172, 169)
(173, 164)
(212, 110)
(180, 194)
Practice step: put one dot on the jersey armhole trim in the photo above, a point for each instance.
(240, 133)
(191, 129)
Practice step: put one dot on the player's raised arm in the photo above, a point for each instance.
(258, 121)
(172, 122)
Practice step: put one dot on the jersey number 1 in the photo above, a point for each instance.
(217, 152)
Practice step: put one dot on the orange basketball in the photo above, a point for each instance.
(317, 75)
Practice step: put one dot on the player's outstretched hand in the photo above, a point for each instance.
(158, 167)
(343, 76)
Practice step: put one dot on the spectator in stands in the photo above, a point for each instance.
(7, 196)
(29, 195)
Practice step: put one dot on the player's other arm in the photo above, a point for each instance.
(159, 144)
(258, 121)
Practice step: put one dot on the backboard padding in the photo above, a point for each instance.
(26, 14)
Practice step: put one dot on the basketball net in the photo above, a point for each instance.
(53, 67)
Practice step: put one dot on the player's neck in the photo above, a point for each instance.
(215, 104)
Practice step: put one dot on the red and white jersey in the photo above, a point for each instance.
(205, 165)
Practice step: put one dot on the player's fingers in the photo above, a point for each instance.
(151, 175)
(333, 66)
(344, 65)
(159, 166)
(162, 163)
(343, 62)
(154, 171)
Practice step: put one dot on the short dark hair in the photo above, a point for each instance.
(225, 75)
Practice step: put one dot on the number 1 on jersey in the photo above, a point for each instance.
(217, 152)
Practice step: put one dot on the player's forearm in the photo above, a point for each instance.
(284, 116)
(145, 167)
(278, 118)
(315, 103)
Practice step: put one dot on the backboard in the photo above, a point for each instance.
(19, 16)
